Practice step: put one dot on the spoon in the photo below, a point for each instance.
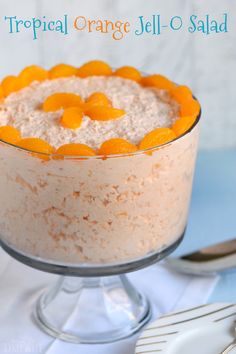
(214, 259)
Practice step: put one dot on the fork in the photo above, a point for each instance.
(231, 345)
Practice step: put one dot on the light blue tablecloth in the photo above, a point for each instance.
(213, 211)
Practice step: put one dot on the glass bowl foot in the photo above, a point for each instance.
(92, 310)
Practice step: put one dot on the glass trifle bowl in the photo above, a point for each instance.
(95, 217)
(91, 220)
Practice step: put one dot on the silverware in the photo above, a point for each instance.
(213, 259)
(231, 345)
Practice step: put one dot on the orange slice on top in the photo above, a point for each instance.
(182, 125)
(190, 108)
(128, 72)
(103, 113)
(94, 68)
(116, 146)
(158, 81)
(157, 137)
(181, 94)
(36, 145)
(72, 118)
(62, 70)
(75, 150)
(59, 101)
(98, 99)
(32, 73)
(1, 92)
(11, 84)
(9, 134)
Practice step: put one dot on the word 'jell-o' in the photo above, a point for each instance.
(93, 110)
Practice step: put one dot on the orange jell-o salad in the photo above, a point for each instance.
(128, 72)
(59, 101)
(72, 118)
(116, 146)
(62, 70)
(96, 68)
(9, 134)
(157, 137)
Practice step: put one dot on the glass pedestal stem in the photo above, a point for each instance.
(92, 310)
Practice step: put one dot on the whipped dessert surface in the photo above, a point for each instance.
(146, 109)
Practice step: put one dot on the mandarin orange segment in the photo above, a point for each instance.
(128, 72)
(103, 113)
(62, 70)
(75, 150)
(190, 108)
(32, 73)
(1, 92)
(157, 137)
(11, 84)
(85, 107)
(117, 146)
(158, 81)
(94, 68)
(72, 118)
(181, 94)
(98, 99)
(9, 134)
(59, 101)
(182, 125)
(36, 145)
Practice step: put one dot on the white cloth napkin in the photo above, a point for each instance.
(20, 287)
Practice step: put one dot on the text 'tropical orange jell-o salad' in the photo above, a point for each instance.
(109, 112)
